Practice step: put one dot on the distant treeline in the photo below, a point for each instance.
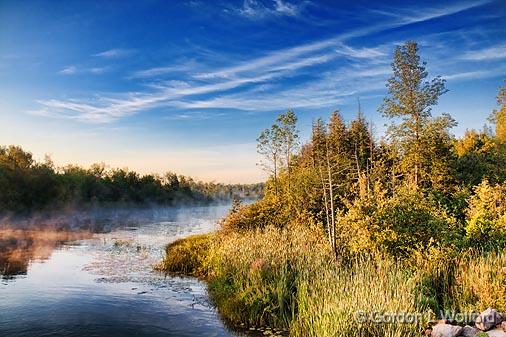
(28, 185)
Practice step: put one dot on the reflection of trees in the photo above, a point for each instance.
(19, 247)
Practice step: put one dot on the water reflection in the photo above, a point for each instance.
(91, 275)
(18, 247)
(24, 240)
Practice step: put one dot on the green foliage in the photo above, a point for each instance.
(257, 215)
(409, 223)
(27, 185)
(479, 156)
(396, 225)
(186, 256)
(499, 116)
(276, 146)
(289, 278)
(253, 275)
(486, 216)
(418, 135)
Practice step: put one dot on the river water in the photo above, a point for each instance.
(96, 278)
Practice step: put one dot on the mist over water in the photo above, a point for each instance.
(90, 274)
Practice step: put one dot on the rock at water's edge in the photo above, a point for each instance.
(496, 333)
(446, 330)
(488, 319)
(469, 331)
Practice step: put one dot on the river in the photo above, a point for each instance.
(96, 278)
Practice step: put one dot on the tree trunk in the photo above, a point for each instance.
(275, 157)
(417, 148)
(331, 192)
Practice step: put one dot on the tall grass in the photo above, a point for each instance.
(253, 275)
(480, 282)
(329, 301)
(186, 256)
(289, 278)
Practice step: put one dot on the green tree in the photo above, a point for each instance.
(289, 135)
(270, 147)
(486, 215)
(499, 116)
(410, 98)
(362, 149)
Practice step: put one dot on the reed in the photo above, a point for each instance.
(288, 278)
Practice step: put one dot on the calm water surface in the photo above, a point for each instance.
(77, 283)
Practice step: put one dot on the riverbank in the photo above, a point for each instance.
(289, 279)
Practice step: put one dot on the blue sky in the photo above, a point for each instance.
(188, 85)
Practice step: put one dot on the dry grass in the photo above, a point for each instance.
(480, 282)
(288, 278)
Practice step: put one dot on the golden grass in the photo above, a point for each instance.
(186, 256)
(289, 279)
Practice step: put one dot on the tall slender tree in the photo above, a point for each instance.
(410, 98)
(289, 136)
(319, 143)
(270, 147)
(499, 116)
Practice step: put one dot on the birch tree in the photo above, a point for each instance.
(270, 147)
(289, 135)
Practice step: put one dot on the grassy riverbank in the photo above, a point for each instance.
(289, 279)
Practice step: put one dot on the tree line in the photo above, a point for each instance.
(28, 185)
(416, 185)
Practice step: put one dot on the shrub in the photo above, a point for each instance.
(486, 216)
(265, 212)
(396, 225)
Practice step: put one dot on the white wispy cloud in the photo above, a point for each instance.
(331, 89)
(73, 70)
(107, 109)
(473, 75)
(68, 70)
(239, 86)
(490, 53)
(255, 9)
(183, 67)
(271, 59)
(114, 53)
(360, 52)
(406, 16)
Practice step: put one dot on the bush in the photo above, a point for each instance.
(396, 225)
(486, 216)
(260, 214)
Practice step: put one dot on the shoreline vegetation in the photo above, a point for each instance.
(28, 186)
(353, 229)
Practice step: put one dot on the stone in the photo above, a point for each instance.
(469, 331)
(496, 333)
(446, 330)
(503, 325)
(450, 321)
(488, 319)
